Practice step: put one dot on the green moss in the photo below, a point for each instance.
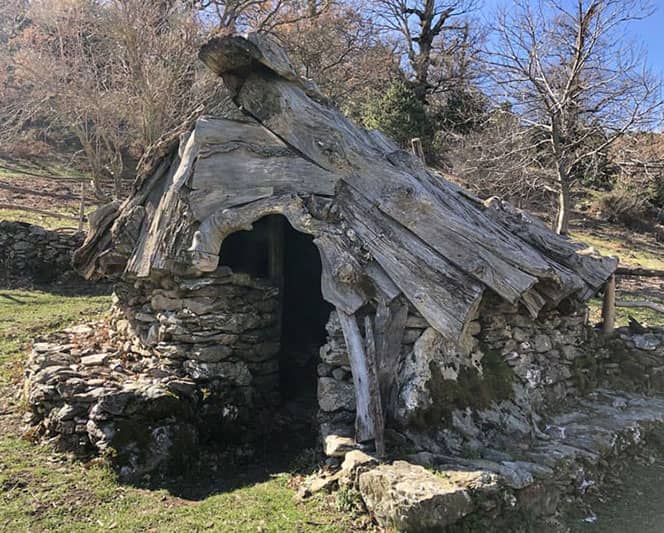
(470, 389)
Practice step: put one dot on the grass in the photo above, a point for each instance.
(26, 314)
(46, 168)
(43, 490)
(633, 251)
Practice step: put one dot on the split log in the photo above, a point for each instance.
(442, 293)
(390, 324)
(341, 274)
(364, 422)
(382, 282)
(240, 162)
(582, 260)
(640, 272)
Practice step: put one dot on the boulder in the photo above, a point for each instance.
(407, 497)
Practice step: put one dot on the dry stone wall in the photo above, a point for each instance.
(221, 330)
(632, 360)
(30, 254)
(511, 369)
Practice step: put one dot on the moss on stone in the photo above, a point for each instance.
(470, 389)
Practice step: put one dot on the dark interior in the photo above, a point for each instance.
(304, 312)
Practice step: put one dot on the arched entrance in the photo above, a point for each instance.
(290, 260)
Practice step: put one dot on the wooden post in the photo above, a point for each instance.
(81, 208)
(609, 306)
(416, 147)
(364, 422)
(375, 404)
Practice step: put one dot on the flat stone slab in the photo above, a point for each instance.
(409, 497)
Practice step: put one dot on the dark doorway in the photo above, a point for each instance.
(276, 251)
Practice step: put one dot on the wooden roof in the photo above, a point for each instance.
(384, 223)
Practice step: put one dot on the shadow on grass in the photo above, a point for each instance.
(290, 448)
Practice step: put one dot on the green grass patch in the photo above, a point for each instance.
(44, 491)
(631, 254)
(27, 314)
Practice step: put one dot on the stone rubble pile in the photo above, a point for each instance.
(32, 254)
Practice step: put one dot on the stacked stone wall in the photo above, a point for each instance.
(222, 330)
(30, 254)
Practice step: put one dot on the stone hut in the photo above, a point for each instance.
(282, 250)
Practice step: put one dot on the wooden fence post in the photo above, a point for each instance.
(609, 306)
(416, 147)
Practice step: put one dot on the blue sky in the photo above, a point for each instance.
(649, 31)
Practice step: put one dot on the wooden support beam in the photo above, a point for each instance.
(389, 329)
(364, 422)
(375, 404)
(609, 306)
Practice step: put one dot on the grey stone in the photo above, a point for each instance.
(542, 343)
(338, 446)
(334, 395)
(235, 372)
(647, 342)
(96, 359)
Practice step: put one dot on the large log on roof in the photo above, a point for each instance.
(384, 223)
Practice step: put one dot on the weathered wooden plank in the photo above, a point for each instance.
(329, 139)
(390, 324)
(240, 162)
(582, 260)
(443, 294)
(154, 250)
(341, 274)
(375, 404)
(364, 423)
(382, 282)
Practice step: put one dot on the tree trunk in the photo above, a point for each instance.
(564, 204)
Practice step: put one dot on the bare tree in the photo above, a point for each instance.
(438, 40)
(341, 50)
(230, 16)
(570, 73)
(501, 158)
(112, 76)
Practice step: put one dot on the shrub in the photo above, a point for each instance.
(400, 115)
(626, 207)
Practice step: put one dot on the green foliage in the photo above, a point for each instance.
(399, 114)
(349, 499)
(462, 112)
